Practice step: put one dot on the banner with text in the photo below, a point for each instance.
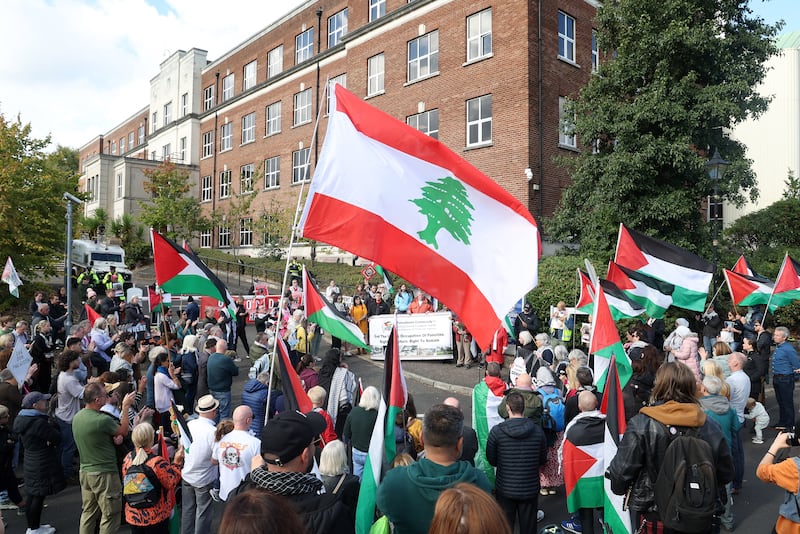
(423, 336)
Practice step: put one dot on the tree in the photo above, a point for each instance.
(172, 210)
(274, 228)
(32, 209)
(792, 186)
(234, 215)
(446, 205)
(764, 236)
(682, 72)
(95, 225)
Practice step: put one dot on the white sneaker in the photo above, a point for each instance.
(758, 441)
(540, 515)
(43, 529)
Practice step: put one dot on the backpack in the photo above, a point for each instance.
(553, 408)
(140, 486)
(685, 489)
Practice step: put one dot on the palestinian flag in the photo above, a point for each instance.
(619, 303)
(653, 294)
(180, 272)
(616, 517)
(158, 301)
(582, 455)
(484, 417)
(91, 314)
(787, 285)
(323, 313)
(382, 445)
(294, 396)
(385, 191)
(689, 273)
(605, 345)
(387, 280)
(746, 290)
(742, 266)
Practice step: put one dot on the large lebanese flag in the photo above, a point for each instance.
(389, 193)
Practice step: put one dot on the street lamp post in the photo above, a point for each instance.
(716, 168)
(71, 199)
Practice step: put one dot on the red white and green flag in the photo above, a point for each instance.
(582, 455)
(180, 272)
(742, 266)
(689, 273)
(157, 300)
(606, 345)
(653, 294)
(485, 401)
(387, 192)
(294, 395)
(787, 285)
(616, 517)
(382, 449)
(619, 303)
(323, 313)
(91, 314)
(747, 290)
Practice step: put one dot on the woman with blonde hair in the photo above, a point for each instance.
(712, 368)
(467, 509)
(101, 341)
(153, 519)
(358, 427)
(336, 476)
(42, 354)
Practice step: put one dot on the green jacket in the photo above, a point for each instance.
(533, 405)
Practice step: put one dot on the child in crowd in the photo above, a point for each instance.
(755, 410)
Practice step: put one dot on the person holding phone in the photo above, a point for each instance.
(784, 474)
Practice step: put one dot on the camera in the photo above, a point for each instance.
(793, 440)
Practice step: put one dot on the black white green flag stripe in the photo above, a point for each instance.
(653, 294)
(322, 312)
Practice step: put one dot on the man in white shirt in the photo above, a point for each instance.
(235, 451)
(331, 290)
(739, 383)
(199, 472)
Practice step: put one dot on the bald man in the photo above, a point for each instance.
(235, 451)
(533, 402)
(470, 446)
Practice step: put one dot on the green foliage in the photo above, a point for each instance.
(792, 186)
(32, 212)
(764, 236)
(558, 280)
(273, 227)
(173, 211)
(682, 72)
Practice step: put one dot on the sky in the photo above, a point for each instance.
(74, 69)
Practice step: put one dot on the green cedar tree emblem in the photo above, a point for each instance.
(446, 205)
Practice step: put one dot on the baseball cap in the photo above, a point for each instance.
(33, 397)
(288, 434)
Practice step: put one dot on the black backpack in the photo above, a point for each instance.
(140, 485)
(686, 489)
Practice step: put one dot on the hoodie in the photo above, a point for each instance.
(718, 407)
(416, 488)
(513, 443)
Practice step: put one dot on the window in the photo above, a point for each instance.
(120, 189)
(167, 113)
(479, 120)
(224, 237)
(208, 97)
(154, 122)
(224, 184)
(375, 75)
(426, 122)
(208, 143)
(299, 160)
(377, 9)
(166, 152)
(226, 137)
(249, 75)
(153, 155)
(479, 35)
(131, 140)
(205, 239)
(341, 80)
(206, 191)
(566, 124)
(113, 147)
(272, 172)
(302, 107)
(249, 128)
(246, 232)
(246, 178)
(337, 28)
(275, 62)
(304, 46)
(141, 135)
(227, 87)
(423, 56)
(182, 149)
(595, 53)
(184, 104)
(566, 37)
(121, 145)
(274, 118)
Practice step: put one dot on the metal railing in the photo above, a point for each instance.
(241, 274)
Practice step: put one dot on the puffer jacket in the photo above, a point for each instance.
(687, 354)
(254, 395)
(512, 444)
(41, 438)
(644, 445)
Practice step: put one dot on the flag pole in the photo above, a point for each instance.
(766, 310)
(297, 213)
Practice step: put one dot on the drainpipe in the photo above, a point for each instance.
(540, 163)
(214, 152)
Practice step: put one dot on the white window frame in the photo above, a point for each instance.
(182, 149)
(225, 184)
(184, 104)
(275, 61)
(249, 128)
(302, 107)
(299, 159)
(121, 145)
(114, 147)
(341, 79)
(226, 137)
(224, 237)
(227, 87)
(566, 37)
(167, 113)
(337, 27)
(246, 173)
(272, 172)
(476, 125)
(166, 152)
(273, 121)
(131, 140)
(206, 189)
(208, 144)
(376, 74)
(377, 9)
(479, 35)
(154, 122)
(304, 46)
(208, 97)
(249, 75)
(565, 138)
(595, 52)
(425, 64)
(141, 135)
(205, 239)
(120, 187)
(246, 232)
(423, 122)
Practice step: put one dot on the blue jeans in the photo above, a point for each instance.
(359, 459)
(784, 394)
(197, 511)
(224, 398)
(737, 450)
(708, 344)
(67, 448)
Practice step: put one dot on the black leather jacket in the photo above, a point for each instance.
(645, 442)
